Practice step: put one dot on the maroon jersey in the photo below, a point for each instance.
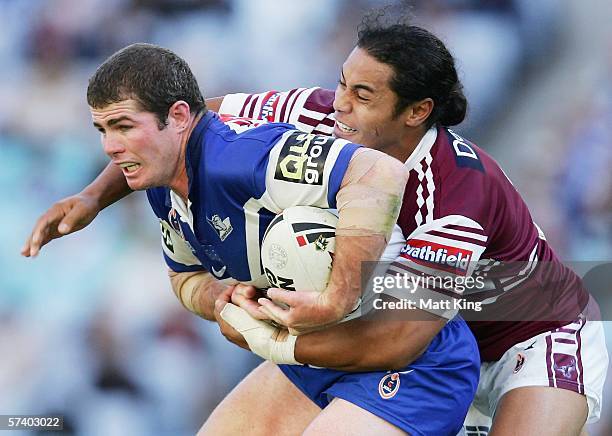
(461, 217)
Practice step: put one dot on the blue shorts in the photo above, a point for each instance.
(431, 396)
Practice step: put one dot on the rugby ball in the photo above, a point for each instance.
(297, 251)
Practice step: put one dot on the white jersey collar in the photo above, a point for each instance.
(184, 210)
(423, 147)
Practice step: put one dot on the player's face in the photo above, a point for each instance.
(132, 139)
(364, 104)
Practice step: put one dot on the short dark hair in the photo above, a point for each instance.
(153, 76)
(421, 63)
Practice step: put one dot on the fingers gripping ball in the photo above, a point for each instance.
(298, 249)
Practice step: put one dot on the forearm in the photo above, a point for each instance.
(344, 288)
(197, 292)
(109, 187)
(368, 202)
(367, 345)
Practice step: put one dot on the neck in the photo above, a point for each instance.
(180, 184)
(407, 144)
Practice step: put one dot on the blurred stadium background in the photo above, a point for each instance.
(91, 330)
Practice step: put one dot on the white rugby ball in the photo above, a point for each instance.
(298, 249)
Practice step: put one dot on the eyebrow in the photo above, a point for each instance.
(113, 121)
(359, 85)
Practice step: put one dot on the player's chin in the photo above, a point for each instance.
(137, 184)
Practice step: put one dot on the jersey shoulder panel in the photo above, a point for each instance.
(308, 109)
(289, 166)
(237, 155)
(307, 169)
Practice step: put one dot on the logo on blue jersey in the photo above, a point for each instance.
(476, 430)
(302, 158)
(389, 385)
(173, 219)
(222, 227)
(166, 237)
(218, 273)
(465, 153)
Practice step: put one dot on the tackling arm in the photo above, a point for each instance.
(366, 344)
(77, 211)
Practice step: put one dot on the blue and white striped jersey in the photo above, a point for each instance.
(241, 174)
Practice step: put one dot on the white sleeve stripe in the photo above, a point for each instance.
(450, 237)
(470, 229)
(304, 127)
(490, 263)
(251, 214)
(515, 281)
(246, 104)
(287, 108)
(449, 233)
(281, 102)
(323, 130)
(312, 114)
(258, 106)
(254, 100)
(449, 219)
(299, 101)
(533, 261)
(452, 242)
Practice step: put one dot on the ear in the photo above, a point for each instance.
(417, 112)
(179, 115)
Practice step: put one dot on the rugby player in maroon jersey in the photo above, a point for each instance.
(544, 363)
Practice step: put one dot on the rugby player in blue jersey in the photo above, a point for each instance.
(559, 369)
(215, 186)
(209, 185)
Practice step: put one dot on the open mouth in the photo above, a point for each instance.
(129, 167)
(344, 128)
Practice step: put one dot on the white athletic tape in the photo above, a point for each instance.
(261, 336)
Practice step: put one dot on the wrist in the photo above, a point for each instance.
(338, 304)
(93, 197)
(282, 350)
